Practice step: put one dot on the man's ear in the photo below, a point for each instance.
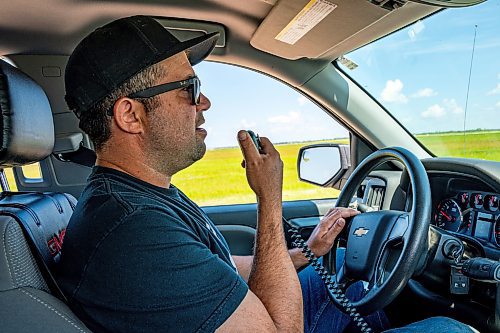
(129, 115)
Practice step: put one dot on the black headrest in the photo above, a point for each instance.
(26, 123)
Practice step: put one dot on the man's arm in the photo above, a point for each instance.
(274, 299)
(320, 241)
(244, 265)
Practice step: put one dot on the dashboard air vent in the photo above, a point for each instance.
(375, 197)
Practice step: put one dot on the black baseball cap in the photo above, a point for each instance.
(115, 52)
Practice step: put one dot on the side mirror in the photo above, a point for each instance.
(323, 164)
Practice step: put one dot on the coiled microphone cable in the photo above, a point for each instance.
(333, 290)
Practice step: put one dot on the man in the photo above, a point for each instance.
(138, 255)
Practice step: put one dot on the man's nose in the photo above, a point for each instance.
(204, 103)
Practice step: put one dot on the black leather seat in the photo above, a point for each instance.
(32, 225)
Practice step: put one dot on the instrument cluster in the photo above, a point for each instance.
(475, 214)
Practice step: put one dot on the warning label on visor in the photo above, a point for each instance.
(305, 20)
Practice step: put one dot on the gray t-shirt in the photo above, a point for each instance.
(141, 258)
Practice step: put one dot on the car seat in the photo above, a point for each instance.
(32, 224)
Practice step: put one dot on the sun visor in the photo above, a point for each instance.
(328, 28)
(309, 28)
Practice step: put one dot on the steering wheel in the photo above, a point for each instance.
(383, 247)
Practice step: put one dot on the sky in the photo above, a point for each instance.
(420, 74)
(243, 99)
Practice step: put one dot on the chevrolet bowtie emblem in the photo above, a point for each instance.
(359, 232)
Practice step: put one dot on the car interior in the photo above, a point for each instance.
(296, 42)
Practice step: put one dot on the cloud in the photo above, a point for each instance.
(434, 111)
(495, 91)
(295, 126)
(393, 92)
(498, 105)
(292, 117)
(302, 100)
(440, 110)
(426, 92)
(416, 29)
(451, 105)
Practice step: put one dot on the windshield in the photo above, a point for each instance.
(440, 78)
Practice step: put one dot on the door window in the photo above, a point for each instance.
(243, 99)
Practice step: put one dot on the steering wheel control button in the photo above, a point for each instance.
(400, 227)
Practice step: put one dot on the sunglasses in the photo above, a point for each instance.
(192, 85)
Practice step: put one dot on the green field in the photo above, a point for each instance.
(484, 145)
(219, 179)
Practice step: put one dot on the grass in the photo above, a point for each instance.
(219, 179)
(479, 144)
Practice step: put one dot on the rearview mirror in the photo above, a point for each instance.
(323, 164)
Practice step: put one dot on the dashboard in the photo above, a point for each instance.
(472, 213)
(465, 196)
(466, 202)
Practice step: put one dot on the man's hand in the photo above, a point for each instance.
(264, 171)
(274, 301)
(323, 236)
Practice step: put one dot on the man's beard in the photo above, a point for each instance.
(201, 149)
(168, 159)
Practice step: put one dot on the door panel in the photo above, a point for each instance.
(237, 222)
(239, 237)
